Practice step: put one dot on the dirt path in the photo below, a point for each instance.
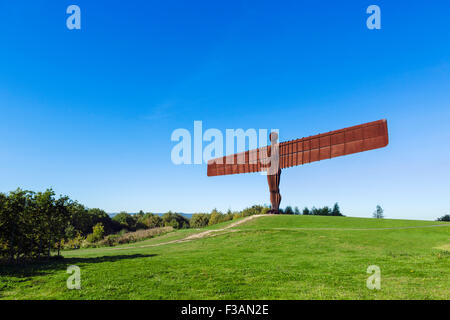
(201, 234)
(232, 225)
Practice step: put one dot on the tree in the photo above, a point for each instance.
(336, 210)
(215, 217)
(325, 211)
(444, 218)
(98, 231)
(125, 220)
(175, 220)
(288, 210)
(96, 216)
(378, 213)
(31, 224)
(296, 211)
(61, 220)
(140, 214)
(199, 220)
(79, 218)
(150, 220)
(19, 229)
(56, 215)
(3, 225)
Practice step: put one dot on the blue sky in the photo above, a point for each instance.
(90, 112)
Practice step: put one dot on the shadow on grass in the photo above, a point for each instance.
(51, 265)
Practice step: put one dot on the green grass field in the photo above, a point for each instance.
(273, 257)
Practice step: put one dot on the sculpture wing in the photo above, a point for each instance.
(364, 137)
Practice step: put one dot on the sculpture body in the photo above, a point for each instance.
(274, 174)
(274, 189)
(272, 159)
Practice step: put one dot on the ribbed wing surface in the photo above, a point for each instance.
(364, 137)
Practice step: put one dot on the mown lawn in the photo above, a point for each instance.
(281, 257)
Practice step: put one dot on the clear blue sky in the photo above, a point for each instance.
(90, 113)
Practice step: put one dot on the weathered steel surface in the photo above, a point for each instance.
(364, 137)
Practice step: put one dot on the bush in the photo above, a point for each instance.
(175, 220)
(199, 220)
(237, 215)
(125, 220)
(73, 243)
(130, 237)
(83, 220)
(95, 236)
(100, 216)
(254, 210)
(98, 231)
(150, 220)
(215, 217)
(90, 238)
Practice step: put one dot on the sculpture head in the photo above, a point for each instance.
(273, 137)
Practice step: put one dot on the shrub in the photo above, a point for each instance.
(98, 231)
(130, 237)
(110, 240)
(199, 220)
(125, 220)
(95, 236)
(237, 215)
(150, 220)
(175, 220)
(74, 243)
(90, 238)
(215, 217)
(253, 210)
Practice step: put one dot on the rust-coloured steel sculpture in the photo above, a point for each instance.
(277, 156)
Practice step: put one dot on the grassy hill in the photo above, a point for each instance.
(270, 257)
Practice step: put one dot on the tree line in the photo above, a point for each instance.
(36, 224)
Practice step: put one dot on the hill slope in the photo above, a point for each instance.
(269, 257)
